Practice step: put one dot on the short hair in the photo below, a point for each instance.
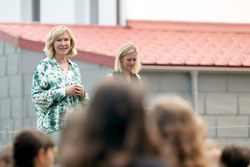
(27, 144)
(235, 156)
(51, 37)
(123, 51)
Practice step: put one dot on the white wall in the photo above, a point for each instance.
(57, 11)
(190, 10)
(65, 11)
(107, 12)
(82, 11)
(15, 10)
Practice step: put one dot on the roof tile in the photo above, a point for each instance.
(160, 43)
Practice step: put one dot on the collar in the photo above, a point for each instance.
(54, 62)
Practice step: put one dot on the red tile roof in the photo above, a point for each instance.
(160, 43)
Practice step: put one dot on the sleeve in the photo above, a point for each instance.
(86, 99)
(41, 94)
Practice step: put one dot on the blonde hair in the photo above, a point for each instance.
(51, 37)
(123, 51)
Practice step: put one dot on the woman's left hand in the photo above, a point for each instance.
(79, 90)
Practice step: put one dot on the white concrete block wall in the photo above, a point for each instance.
(4, 85)
(8, 123)
(91, 78)
(244, 103)
(174, 82)
(1, 47)
(16, 86)
(152, 81)
(212, 83)
(30, 60)
(13, 64)
(241, 142)
(9, 48)
(18, 123)
(5, 105)
(17, 104)
(201, 103)
(210, 121)
(2, 66)
(239, 83)
(27, 84)
(232, 121)
(221, 103)
(30, 108)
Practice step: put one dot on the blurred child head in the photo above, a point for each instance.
(6, 159)
(235, 156)
(178, 128)
(33, 148)
(112, 131)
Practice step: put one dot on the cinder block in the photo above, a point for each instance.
(239, 82)
(33, 122)
(17, 103)
(91, 78)
(223, 103)
(9, 48)
(107, 70)
(244, 101)
(2, 47)
(31, 108)
(28, 84)
(151, 80)
(210, 122)
(3, 63)
(86, 65)
(174, 82)
(30, 60)
(7, 125)
(221, 142)
(212, 83)
(4, 87)
(232, 126)
(29, 122)
(16, 85)
(201, 104)
(240, 142)
(12, 64)
(8, 132)
(5, 111)
(18, 124)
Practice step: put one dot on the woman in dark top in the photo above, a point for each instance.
(127, 65)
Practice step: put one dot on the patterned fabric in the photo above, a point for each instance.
(48, 93)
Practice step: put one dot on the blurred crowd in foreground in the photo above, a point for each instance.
(116, 130)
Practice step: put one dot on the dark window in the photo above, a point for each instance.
(94, 11)
(35, 10)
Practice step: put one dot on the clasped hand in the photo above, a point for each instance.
(75, 89)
